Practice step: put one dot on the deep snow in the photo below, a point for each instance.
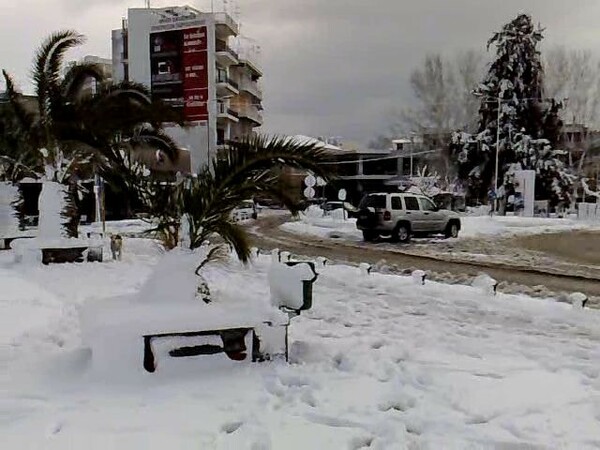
(379, 362)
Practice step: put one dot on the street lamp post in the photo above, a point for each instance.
(497, 158)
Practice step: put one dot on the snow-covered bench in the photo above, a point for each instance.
(232, 326)
(6, 241)
(57, 250)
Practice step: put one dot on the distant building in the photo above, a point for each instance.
(104, 64)
(186, 58)
(355, 168)
(583, 142)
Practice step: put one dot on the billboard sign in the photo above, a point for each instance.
(179, 70)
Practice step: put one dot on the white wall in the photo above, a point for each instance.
(588, 211)
(140, 20)
(140, 24)
(118, 72)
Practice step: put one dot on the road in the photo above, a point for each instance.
(267, 235)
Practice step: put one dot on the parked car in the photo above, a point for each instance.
(327, 207)
(401, 216)
(247, 210)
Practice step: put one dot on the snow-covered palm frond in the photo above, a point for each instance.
(46, 69)
(241, 171)
(76, 76)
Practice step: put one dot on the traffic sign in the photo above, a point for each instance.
(310, 181)
(309, 192)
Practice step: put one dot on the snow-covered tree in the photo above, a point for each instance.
(529, 124)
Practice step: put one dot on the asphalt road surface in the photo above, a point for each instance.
(266, 235)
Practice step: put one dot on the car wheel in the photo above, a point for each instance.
(401, 233)
(452, 230)
(369, 235)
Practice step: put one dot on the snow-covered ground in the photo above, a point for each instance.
(472, 226)
(379, 362)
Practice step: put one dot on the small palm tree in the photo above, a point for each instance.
(244, 169)
(73, 132)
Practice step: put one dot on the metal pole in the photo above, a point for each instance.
(411, 159)
(98, 208)
(497, 152)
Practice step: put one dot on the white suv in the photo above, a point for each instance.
(402, 215)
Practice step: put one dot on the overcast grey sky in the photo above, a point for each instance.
(332, 67)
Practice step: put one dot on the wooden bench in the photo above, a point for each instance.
(261, 343)
(71, 255)
(233, 344)
(6, 241)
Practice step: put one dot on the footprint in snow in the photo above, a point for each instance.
(231, 427)
(400, 403)
(359, 442)
(376, 345)
(54, 429)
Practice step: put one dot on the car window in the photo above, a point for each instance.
(411, 203)
(396, 203)
(427, 205)
(373, 201)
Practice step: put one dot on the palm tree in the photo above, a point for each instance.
(17, 160)
(73, 131)
(202, 205)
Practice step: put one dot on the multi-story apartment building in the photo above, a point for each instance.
(185, 57)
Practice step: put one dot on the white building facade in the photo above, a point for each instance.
(184, 57)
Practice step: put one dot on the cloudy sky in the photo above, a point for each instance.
(332, 67)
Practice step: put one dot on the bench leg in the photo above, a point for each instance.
(149, 363)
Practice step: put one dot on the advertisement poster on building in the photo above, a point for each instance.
(179, 70)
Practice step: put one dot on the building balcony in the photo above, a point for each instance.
(251, 112)
(225, 26)
(225, 55)
(251, 87)
(246, 60)
(226, 113)
(225, 85)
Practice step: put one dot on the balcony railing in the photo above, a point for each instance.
(223, 78)
(252, 113)
(223, 109)
(222, 18)
(246, 84)
(221, 46)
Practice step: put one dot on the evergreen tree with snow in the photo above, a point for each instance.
(529, 123)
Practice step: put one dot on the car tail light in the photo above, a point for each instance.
(387, 215)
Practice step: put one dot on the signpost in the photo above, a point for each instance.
(342, 197)
(179, 70)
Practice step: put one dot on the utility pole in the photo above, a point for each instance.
(412, 144)
(497, 152)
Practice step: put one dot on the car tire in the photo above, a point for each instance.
(401, 233)
(452, 230)
(369, 235)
